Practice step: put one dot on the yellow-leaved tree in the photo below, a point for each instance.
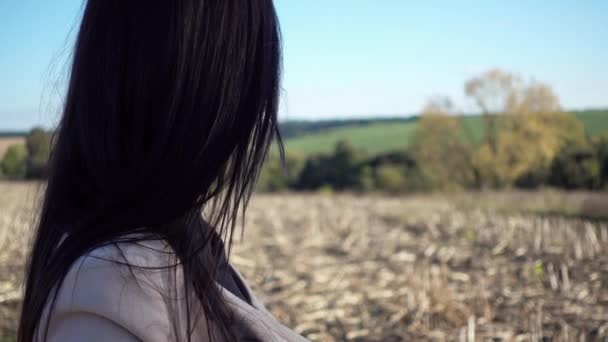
(439, 149)
(525, 128)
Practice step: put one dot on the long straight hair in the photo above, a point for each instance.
(170, 111)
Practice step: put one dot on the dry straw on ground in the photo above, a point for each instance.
(348, 267)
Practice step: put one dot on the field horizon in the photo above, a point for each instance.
(372, 134)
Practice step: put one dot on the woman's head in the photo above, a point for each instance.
(170, 109)
(169, 102)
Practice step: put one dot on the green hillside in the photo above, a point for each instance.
(376, 137)
(595, 121)
(383, 136)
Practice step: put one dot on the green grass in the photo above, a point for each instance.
(380, 137)
(372, 138)
(595, 121)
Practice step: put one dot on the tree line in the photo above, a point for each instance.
(27, 160)
(528, 141)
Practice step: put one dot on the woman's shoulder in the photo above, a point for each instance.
(124, 268)
(124, 284)
(133, 250)
(134, 290)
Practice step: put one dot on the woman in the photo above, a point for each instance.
(169, 113)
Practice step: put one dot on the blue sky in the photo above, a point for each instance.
(352, 58)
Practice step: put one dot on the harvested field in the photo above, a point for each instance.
(347, 267)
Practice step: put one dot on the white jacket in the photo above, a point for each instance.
(101, 300)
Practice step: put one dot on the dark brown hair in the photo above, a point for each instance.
(170, 110)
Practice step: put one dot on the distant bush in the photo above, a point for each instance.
(600, 144)
(29, 161)
(390, 178)
(339, 170)
(366, 180)
(13, 163)
(314, 173)
(275, 177)
(38, 145)
(343, 171)
(441, 154)
(576, 167)
(533, 178)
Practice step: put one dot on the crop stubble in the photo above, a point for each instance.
(349, 267)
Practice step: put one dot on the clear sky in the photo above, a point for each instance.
(353, 58)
